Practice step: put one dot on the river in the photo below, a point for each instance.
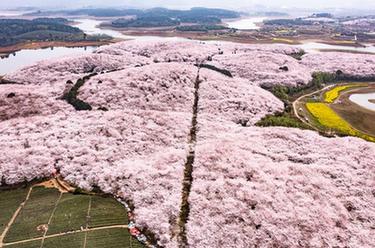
(91, 26)
(363, 100)
(26, 57)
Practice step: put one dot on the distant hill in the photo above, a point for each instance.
(14, 31)
(193, 13)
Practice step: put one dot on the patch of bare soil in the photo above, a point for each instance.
(59, 184)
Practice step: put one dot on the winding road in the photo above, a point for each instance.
(297, 101)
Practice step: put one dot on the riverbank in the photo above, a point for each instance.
(5, 51)
(338, 116)
(239, 36)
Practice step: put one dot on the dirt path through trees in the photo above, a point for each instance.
(188, 172)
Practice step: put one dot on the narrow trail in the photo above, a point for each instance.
(188, 172)
(87, 222)
(295, 110)
(50, 219)
(7, 227)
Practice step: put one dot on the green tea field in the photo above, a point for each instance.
(43, 217)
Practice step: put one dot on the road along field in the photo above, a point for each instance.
(43, 217)
(331, 111)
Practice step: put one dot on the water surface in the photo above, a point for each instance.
(363, 100)
(6, 13)
(246, 23)
(26, 57)
(91, 27)
(315, 47)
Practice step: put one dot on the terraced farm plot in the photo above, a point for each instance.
(111, 238)
(70, 214)
(100, 209)
(75, 221)
(9, 202)
(66, 241)
(33, 215)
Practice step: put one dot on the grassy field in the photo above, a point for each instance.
(69, 221)
(68, 241)
(31, 244)
(36, 212)
(70, 214)
(100, 209)
(9, 202)
(111, 238)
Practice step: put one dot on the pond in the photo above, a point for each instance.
(363, 100)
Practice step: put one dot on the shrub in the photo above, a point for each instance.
(281, 119)
(214, 68)
(71, 96)
(298, 55)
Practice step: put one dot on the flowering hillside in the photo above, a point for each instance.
(351, 64)
(55, 73)
(177, 140)
(265, 68)
(23, 101)
(272, 187)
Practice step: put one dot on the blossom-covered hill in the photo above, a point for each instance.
(165, 132)
(277, 187)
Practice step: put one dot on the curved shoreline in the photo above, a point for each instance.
(4, 51)
(364, 103)
(355, 115)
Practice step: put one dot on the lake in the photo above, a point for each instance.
(6, 13)
(363, 100)
(90, 26)
(315, 46)
(246, 23)
(27, 57)
(30, 56)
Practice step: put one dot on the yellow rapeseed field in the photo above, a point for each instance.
(328, 118)
(331, 95)
(282, 40)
